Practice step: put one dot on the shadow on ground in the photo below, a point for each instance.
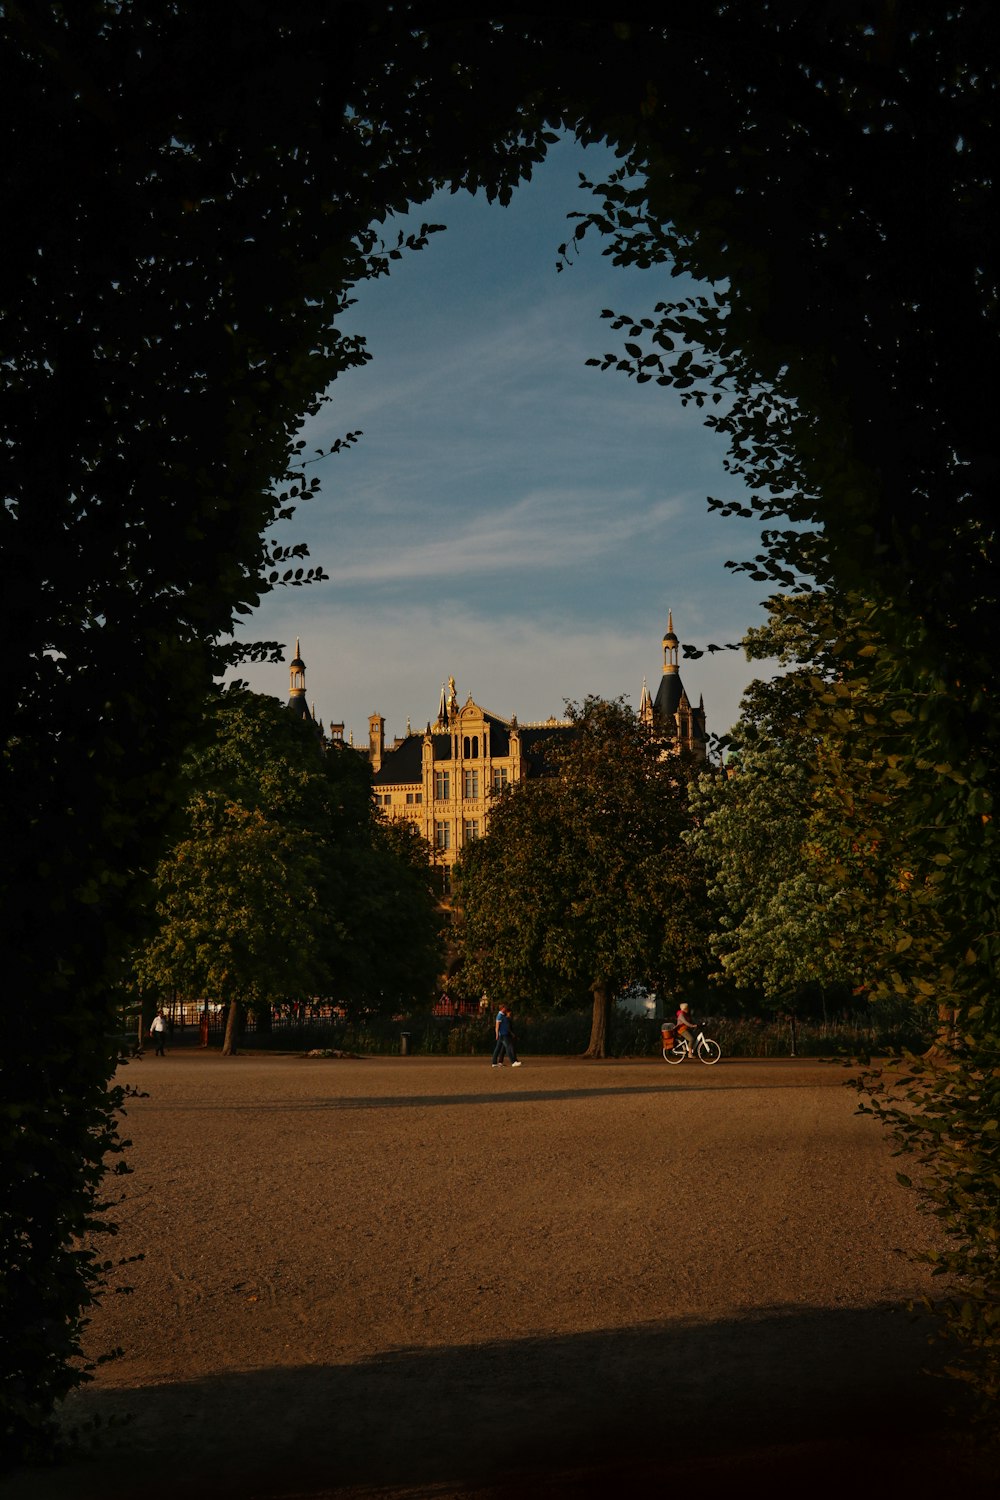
(833, 1401)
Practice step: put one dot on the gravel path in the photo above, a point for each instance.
(414, 1276)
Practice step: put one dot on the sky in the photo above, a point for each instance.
(510, 516)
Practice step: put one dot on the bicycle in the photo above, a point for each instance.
(675, 1051)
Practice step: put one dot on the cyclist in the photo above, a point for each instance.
(687, 1027)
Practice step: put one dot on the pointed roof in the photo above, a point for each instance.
(297, 686)
(671, 696)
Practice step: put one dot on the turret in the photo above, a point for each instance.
(376, 740)
(297, 685)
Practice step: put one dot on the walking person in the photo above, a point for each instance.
(158, 1033)
(505, 1039)
(499, 1048)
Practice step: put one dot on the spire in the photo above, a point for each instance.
(297, 685)
(670, 645)
(645, 704)
(672, 710)
(442, 717)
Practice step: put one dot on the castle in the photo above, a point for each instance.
(442, 778)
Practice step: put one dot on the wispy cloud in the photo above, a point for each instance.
(538, 531)
(510, 515)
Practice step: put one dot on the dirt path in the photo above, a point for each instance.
(422, 1277)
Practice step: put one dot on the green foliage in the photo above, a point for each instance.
(944, 1111)
(395, 952)
(583, 879)
(780, 926)
(284, 884)
(809, 864)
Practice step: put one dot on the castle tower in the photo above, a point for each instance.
(672, 712)
(645, 705)
(376, 740)
(297, 685)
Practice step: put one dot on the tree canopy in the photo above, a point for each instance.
(583, 881)
(284, 883)
(800, 863)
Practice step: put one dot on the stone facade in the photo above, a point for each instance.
(442, 779)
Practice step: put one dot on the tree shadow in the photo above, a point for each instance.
(829, 1398)
(500, 1094)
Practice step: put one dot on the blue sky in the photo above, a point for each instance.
(510, 516)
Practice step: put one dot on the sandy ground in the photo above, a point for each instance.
(422, 1277)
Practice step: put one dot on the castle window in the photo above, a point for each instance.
(412, 797)
(471, 830)
(470, 747)
(442, 835)
(500, 778)
(470, 783)
(442, 785)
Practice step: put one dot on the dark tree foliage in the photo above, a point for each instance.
(192, 189)
(835, 185)
(190, 192)
(583, 880)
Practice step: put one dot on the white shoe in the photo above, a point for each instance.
(515, 1065)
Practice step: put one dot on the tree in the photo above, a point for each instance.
(239, 908)
(284, 883)
(812, 874)
(776, 919)
(785, 918)
(387, 947)
(239, 895)
(583, 880)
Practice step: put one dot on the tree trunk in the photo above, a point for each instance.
(941, 1049)
(600, 1025)
(234, 1028)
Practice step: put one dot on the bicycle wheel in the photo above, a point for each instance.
(709, 1051)
(674, 1054)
